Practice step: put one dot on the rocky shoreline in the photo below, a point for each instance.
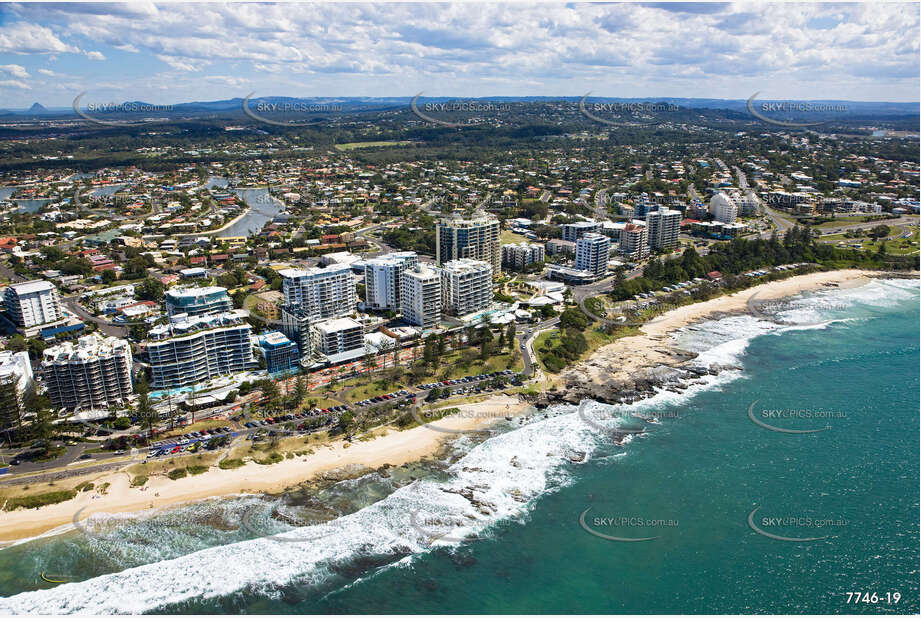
(577, 386)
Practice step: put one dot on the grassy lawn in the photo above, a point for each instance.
(209, 424)
(508, 236)
(354, 145)
(894, 246)
(842, 221)
(372, 387)
(162, 466)
(453, 366)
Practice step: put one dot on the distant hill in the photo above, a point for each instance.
(862, 108)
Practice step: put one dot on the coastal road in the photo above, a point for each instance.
(526, 341)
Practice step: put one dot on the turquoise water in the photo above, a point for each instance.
(691, 482)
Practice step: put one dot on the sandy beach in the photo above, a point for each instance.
(621, 358)
(626, 356)
(395, 448)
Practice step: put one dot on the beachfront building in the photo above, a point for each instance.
(466, 286)
(383, 279)
(518, 256)
(421, 296)
(296, 326)
(189, 350)
(320, 292)
(197, 301)
(723, 208)
(32, 303)
(94, 374)
(337, 337)
(592, 252)
(662, 227)
(574, 231)
(280, 353)
(475, 238)
(634, 241)
(15, 378)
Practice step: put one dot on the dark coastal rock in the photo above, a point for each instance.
(578, 387)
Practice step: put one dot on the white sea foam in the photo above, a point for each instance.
(504, 475)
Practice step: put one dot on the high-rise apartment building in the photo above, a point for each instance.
(662, 227)
(421, 296)
(94, 374)
(280, 353)
(592, 253)
(15, 378)
(32, 303)
(723, 208)
(634, 241)
(574, 231)
(197, 301)
(466, 286)
(190, 350)
(518, 256)
(476, 238)
(383, 282)
(337, 336)
(320, 292)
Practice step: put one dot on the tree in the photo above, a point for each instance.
(108, 276)
(510, 335)
(574, 318)
(300, 389)
(149, 289)
(146, 414)
(270, 391)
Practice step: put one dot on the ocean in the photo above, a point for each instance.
(785, 484)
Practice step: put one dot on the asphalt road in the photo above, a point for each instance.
(105, 326)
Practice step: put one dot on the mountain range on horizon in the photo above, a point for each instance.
(368, 103)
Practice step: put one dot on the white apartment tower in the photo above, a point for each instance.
(190, 350)
(592, 253)
(574, 231)
(476, 238)
(662, 227)
(383, 279)
(466, 286)
(634, 241)
(517, 256)
(421, 296)
(92, 375)
(197, 301)
(723, 208)
(32, 303)
(321, 292)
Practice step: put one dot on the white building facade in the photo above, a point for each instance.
(466, 286)
(383, 279)
(94, 374)
(662, 227)
(723, 208)
(592, 253)
(321, 292)
(421, 296)
(190, 350)
(32, 303)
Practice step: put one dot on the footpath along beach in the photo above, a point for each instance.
(623, 357)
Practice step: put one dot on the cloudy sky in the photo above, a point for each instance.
(170, 53)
